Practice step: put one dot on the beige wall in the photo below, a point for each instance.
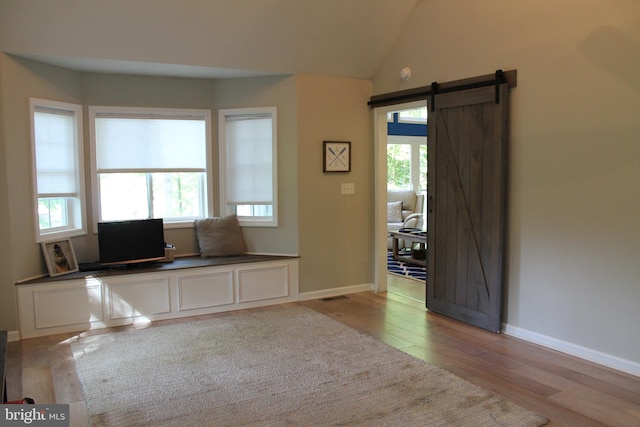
(336, 231)
(574, 203)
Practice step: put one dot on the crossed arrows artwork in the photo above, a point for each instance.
(337, 157)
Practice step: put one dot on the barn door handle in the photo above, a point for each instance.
(430, 204)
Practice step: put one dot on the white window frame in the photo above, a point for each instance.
(223, 115)
(76, 203)
(162, 112)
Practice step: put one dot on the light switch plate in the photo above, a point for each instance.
(348, 188)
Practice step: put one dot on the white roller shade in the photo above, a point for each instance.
(55, 146)
(141, 144)
(249, 160)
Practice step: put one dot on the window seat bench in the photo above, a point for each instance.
(188, 286)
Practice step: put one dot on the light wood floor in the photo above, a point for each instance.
(409, 288)
(570, 391)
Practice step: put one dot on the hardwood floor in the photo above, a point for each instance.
(570, 391)
(409, 288)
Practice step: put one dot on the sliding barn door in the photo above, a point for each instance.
(466, 190)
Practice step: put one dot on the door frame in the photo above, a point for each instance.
(380, 189)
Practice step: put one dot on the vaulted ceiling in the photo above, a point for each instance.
(206, 38)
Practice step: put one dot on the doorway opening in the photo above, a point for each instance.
(401, 185)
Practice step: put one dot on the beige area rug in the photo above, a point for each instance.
(285, 366)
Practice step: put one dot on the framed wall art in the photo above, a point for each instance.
(60, 257)
(337, 156)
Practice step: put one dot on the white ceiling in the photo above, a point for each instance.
(206, 38)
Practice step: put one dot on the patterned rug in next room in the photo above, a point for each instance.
(410, 271)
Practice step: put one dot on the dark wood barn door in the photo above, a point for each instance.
(466, 192)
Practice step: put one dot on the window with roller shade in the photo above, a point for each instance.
(248, 165)
(56, 132)
(150, 163)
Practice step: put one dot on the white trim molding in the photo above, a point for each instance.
(335, 292)
(589, 354)
(13, 336)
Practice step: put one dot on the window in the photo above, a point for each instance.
(248, 165)
(407, 163)
(399, 167)
(150, 163)
(414, 115)
(407, 149)
(56, 129)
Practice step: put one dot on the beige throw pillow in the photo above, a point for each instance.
(220, 236)
(394, 211)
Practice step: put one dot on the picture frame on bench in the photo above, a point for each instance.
(60, 257)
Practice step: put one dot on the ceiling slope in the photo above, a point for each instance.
(200, 38)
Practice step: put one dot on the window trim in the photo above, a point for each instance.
(77, 217)
(117, 111)
(222, 147)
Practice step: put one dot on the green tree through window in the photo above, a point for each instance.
(398, 166)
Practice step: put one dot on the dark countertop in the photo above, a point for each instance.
(177, 264)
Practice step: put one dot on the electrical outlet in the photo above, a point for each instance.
(348, 188)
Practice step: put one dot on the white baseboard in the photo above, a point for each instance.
(595, 356)
(334, 292)
(13, 336)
